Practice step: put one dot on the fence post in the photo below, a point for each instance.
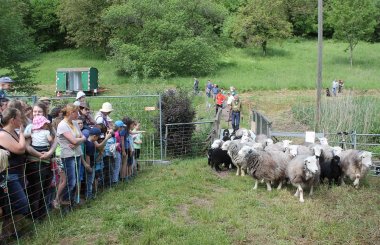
(166, 139)
(161, 139)
(353, 138)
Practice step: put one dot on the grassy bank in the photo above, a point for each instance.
(290, 65)
(187, 203)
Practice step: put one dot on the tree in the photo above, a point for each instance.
(353, 20)
(82, 21)
(43, 19)
(16, 46)
(259, 21)
(164, 38)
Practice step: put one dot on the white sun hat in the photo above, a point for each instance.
(80, 94)
(106, 107)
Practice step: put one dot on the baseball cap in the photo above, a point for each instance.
(80, 94)
(95, 131)
(120, 124)
(6, 80)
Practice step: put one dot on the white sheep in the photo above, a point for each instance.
(262, 165)
(279, 146)
(355, 165)
(303, 172)
(232, 147)
(216, 144)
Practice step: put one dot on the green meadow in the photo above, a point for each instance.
(188, 203)
(288, 65)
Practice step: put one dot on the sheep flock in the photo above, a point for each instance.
(275, 164)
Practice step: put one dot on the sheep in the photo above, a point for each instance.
(232, 147)
(355, 165)
(261, 138)
(303, 150)
(217, 144)
(226, 135)
(279, 146)
(216, 157)
(303, 172)
(262, 165)
(329, 162)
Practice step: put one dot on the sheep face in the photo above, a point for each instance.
(310, 167)
(286, 143)
(317, 150)
(323, 141)
(293, 149)
(244, 138)
(226, 145)
(244, 151)
(366, 158)
(216, 144)
(337, 150)
(269, 142)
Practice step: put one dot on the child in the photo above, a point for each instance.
(137, 141)
(41, 138)
(91, 146)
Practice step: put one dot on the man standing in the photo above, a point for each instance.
(236, 109)
(5, 84)
(334, 87)
(196, 85)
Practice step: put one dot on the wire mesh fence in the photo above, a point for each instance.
(187, 139)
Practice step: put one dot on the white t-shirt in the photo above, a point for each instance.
(40, 137)
(230, 99)
(66, 151)
(99, 118)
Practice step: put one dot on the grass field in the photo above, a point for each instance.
(290, 65)
(188, 203)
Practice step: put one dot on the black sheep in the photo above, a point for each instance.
(330, 169)
(216, 157)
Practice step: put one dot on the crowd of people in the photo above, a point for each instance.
(51, 157)
(228, 99)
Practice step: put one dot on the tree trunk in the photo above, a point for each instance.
(351, 51)
(264, 47)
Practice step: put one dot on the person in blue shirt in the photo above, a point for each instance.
(5, 84)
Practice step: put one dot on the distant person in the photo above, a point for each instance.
(219, 100)
(81, 97)
(334, 86)
(208, 88)
(340, 86)
(236, 107)
(196, 86)
(215, 91)
(328, 94)
(5, 84)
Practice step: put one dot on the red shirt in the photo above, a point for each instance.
(220, 99)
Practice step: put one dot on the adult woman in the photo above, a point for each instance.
(15, 144)
(85, 116)
(38, 170)
(70, 137)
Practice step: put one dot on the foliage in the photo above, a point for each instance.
(154, 38)
(257, 22)
(16, 45)
(176, 107)
(82, 21)
(43, 19)
(353, 20)
(346, 113)
(303, 15)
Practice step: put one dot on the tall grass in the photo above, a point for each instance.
(291, 64)
(343, 113)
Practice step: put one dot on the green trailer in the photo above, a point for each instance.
(72, 80)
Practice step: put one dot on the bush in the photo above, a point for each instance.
(176, 107)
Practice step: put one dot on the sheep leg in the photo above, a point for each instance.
(269, 188)
(279, 186)
(256, 183)
(242, 172)
(301, 193)
(356, 182)
(297, 193)
(238, 171)
(311, 190)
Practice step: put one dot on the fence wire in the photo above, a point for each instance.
(187, 139)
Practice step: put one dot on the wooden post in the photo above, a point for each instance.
(319, 69)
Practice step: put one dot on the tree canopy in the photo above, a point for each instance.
(352, 20)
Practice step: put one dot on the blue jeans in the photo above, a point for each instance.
(89, 182)
(17, 198)
(235, 120)
(69, 165)
(116, 168)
